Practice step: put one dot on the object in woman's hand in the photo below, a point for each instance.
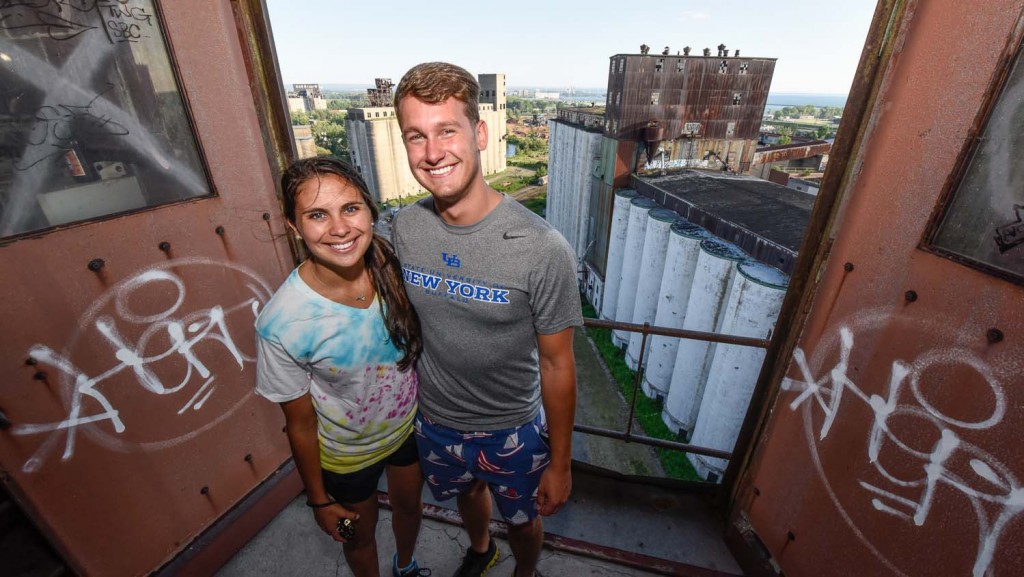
(346, 529)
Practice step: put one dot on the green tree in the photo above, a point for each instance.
(332, 137)
(299, 118)
(785, 135)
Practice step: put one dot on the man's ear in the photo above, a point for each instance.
(481, 135)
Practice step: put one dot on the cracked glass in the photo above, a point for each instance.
(92, 122)
(983, 225)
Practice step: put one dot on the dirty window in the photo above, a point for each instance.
(92, 123)
(984, 222)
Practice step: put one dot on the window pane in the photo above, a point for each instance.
(91, 119)
(983, 223)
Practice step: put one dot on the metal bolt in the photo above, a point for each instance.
(266, 216)
(248, 458)
(204, 491)
(994, 335)
(164, 246)
(790, 535)
(219, 230)
(30, 361)
(848, 267)
(39, 376)
(757, 492)
(96, 264)
(910, 296)
(284, 429)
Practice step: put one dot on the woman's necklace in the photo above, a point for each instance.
(360, 297)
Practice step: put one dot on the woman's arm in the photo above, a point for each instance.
(300, 418)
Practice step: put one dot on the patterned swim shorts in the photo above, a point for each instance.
(510, 461)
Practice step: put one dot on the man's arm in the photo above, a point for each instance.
(558, 393)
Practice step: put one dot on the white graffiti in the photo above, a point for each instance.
(943, 459)
(166, 358)
(677, 163)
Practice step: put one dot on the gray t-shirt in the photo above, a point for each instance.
(483, 292)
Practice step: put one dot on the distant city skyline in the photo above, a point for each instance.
(818, 44)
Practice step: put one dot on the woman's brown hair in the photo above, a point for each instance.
(399, 317)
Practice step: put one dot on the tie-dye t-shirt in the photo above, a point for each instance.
(343, 357)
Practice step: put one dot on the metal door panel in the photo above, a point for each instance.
(134, 425)
(891, 446)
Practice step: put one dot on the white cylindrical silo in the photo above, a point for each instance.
(652, 267)
(616, 248)
(716, 266)
(754, 304)
(635, 236)
(680, 265)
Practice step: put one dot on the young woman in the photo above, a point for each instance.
(336, 346)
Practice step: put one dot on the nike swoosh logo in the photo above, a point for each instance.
(510, 236)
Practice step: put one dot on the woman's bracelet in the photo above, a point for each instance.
(319, 505)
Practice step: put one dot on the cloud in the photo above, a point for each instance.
(688, 16)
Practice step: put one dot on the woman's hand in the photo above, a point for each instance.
(328, 517)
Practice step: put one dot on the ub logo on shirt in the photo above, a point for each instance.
(451, 260)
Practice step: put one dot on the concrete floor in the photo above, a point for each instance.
(293, 545)
(612, 525)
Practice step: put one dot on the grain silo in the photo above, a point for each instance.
(716, 267)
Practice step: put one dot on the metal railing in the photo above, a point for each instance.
(645, 330)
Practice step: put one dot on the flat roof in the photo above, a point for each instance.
(755, 214)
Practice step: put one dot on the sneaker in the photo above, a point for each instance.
(413, 570)
(478, 564)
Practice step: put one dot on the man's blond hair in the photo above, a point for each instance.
(435, 82)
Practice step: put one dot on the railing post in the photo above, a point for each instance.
(637, 381)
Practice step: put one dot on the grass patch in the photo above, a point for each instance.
(537, 204)
(648, 411)
(533, 164)
(512, 184)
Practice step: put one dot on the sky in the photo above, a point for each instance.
(557, 44)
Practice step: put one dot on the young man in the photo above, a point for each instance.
(495, 289)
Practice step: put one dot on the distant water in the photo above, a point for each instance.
(780, 99)
(598, 98)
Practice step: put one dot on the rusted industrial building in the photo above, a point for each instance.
(663, 112)
(881, 437)
(687, 107)
(306, 98)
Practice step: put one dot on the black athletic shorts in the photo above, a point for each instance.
(358, 486)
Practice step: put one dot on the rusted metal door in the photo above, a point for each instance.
(141, 236)
(892, 444)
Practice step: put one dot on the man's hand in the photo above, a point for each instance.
(553, 492)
